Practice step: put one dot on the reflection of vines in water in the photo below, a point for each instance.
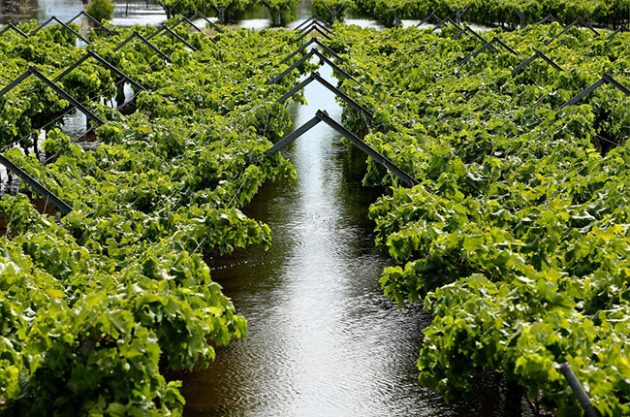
(13, 10)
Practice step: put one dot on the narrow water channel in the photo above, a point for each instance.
(323, 340)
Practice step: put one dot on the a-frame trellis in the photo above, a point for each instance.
(575, 23)
(314, 28)
(324, 83)
(166, 30)
(14, 28)
(490, 46)
(34, 71)
(606, 79)
(322, 116)
(94, 21)
(136, 35)
(311, 20)
(64, 207)
(104, 63)
(305, 58)
(537, 55)
(316, 42)
(63, 25)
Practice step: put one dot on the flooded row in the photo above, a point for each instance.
(324, 340)
(134, 12)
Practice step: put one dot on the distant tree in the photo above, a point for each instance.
(100, 9)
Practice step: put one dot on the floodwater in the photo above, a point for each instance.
(138, 12)
(323, 339)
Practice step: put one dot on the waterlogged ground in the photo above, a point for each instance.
(323, 339)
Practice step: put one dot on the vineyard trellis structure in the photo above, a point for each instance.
(320, 45)
(14, 28)
(322, 81)
(34, 71)
(491, 46)
(64, 207)
(93, 21)
(314, 28)
(306, 58)
(309, 26)
(317, 24)
(312, 20)
(166, 30)
(537, 55)
(104, 63)
(320, 116)
(439, 22)
(576, 23)
(137, 35)
(606, 79)
(66, 26)
(200, 15)
(63, 25)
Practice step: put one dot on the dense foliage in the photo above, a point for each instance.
(100, 9)
(517, 237)
(92, 302)
(229, 11)
(606, 12)
(282, 11)
(331, 10)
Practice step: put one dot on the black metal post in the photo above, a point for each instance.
(578, 390)
(65, 95)
(33, 183)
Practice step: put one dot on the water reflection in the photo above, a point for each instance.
(323, 341)
(134, 12)
(125, 13)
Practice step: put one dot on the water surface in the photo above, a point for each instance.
(324, 340)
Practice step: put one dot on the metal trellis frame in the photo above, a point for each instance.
(619, 30)
(60, 91)
(531, 59)
(170, 31)
(93, 20)
(606, 79)
(322, 116)
(63, 24)
(311, 30)
(490, 46)
(547, 19)
(305, 58)
(429, 19)
(104, 63)
(16, 29)
(316, 77)
(36, 185)
(144, 40)
(312, 19)
(316, 42)
(573, 24)
(200, 15)
(447, 21)
(318, 25)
